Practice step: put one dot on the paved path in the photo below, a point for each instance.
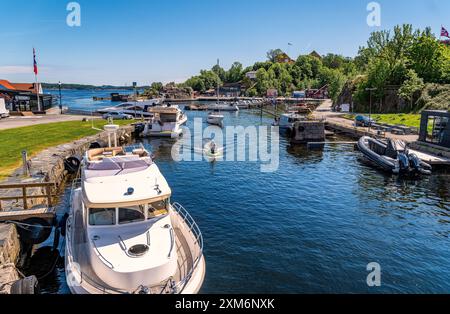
(17, 122)
(324, 111)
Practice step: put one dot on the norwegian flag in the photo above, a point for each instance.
(444, 33)
(35, 68)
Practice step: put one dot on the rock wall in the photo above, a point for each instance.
(9, 254)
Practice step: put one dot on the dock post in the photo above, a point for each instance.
(24, 162)
(25, 202)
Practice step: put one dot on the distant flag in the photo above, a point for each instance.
(35, 68)
(444, 32)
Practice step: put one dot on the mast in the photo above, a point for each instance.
(218, 82)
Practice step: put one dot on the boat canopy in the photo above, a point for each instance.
(125, 189)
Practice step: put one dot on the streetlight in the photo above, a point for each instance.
(370, 105)
(60, 97)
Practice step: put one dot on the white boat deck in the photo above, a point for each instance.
(430, 158)
(92, 283)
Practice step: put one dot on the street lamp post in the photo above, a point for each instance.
(370, 106)
(60, 98)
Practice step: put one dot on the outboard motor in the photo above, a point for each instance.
(404, 162)
(419, 165)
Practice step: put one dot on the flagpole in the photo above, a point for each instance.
(36, 80)
(37, 93)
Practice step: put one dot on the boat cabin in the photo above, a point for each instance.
(435, 128)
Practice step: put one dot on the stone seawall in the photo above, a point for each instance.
(9, 254)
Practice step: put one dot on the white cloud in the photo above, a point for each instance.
(20, 69)
(15, 69)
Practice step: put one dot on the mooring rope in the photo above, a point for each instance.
(26, 226)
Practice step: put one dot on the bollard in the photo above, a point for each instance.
(24, 162)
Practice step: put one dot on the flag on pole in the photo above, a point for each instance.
(35, 68)
(444, 32)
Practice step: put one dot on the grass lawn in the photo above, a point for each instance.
(39, 137)
(412, 120)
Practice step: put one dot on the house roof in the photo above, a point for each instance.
(5, 84)
(315, 54)
(29, 87)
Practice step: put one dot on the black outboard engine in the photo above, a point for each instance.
(419, 165)
(404, 162)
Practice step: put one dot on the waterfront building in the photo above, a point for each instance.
(22, 96)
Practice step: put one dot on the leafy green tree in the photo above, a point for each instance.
(412, 85)
(273, 54)
(235, 73)
(220, 72)
(430, 59)
(335, 80)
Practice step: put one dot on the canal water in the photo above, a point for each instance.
(313, 226)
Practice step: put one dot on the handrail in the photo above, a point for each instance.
(174, 288)
(172, 241)
(193, 227)
(100, 255)
(46, 194)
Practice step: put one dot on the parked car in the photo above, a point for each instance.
(118, 115)
(363, 121)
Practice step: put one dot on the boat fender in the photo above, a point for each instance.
(72, 164)
(28, 285)
(62, 224)
(292, 132)
(56, 237)
(98, 144)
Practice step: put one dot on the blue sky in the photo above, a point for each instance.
(121, 41)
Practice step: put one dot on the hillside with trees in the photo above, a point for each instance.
(409, 70)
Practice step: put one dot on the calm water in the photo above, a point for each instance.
(311, 227)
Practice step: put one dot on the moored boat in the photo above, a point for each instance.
(392, 156)
(166, 121)
(123, 233)
(215, 119)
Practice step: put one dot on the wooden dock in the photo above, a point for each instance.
(37, 203)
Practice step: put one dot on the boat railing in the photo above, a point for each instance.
(197, 234)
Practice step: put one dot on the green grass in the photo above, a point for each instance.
(411, 120)
(36, 138)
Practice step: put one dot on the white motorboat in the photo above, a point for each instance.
(166, 121)
(223, 107)
(134, 108)
(215, 119)
(123, 234)
(287, 120)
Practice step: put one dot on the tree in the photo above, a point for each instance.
(335, 80)
(429, 59)
(273, 54)
(412, 85)
(235, 73)
(220, 72)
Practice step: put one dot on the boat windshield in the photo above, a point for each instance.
(102, 216)
(127, 214)
(157, 209)
(131, 214)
